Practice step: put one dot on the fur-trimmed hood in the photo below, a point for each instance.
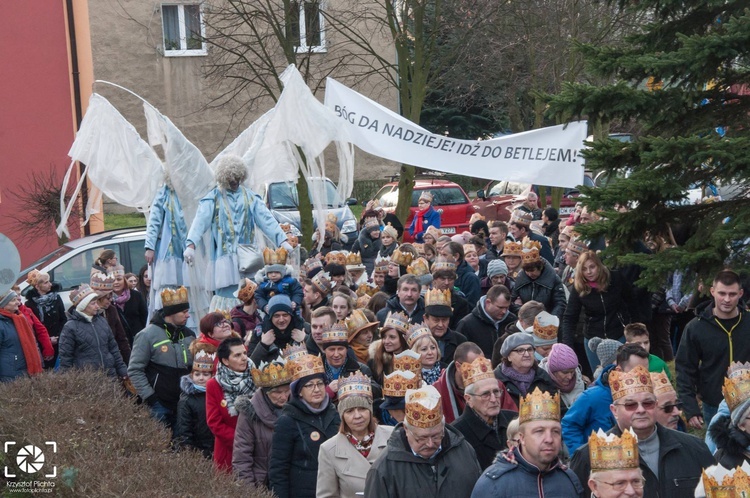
(187, 386)
(373, 348)
(731, 442)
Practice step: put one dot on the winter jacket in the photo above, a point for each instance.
(251, 453)
(288, 285)
(85, 344)
(430, 218)
(133, 315)
(481, 329)
(523, 479)
(487, 443)
(260, 352)
(468, 282)
(460, 307)
(567, 398)
(393, 305)
(589, 413)
(342, 469)
(704, 355)
(731, 443)
(52, 314)
(221, 423)
(40, 331)
(191, 429)
(682, 458)
(247, 323)
(607, 312)
(399, 473)
(12, 359)
(541, 380)
(546, 289)
(368, 248)
(297, 436)
(448, 344)
(118, 331)
(160, 357)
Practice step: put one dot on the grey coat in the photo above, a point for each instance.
(85, 344)
(251, 454)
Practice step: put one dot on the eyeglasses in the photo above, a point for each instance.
(224, 323)
(632, 406)
(622, 485)
(670, 407)
(435, 438)
(523, 351)
(487, 395)
(314, 385)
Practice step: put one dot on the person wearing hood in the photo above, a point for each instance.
(489, 319)
(245, 316)
(191, 428)
(562, 366)
(538, 281)
(43, 299)
(251, 454)
(280, 328)
(425, 217)
(161, 356)
(368, 243)
(731, 433)
(276, 278)
(306, 422)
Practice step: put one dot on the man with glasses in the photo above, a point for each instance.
(668, 408)
(671, 461)
(488, 319)
(614, 466)
(424, 456)
(483, 423)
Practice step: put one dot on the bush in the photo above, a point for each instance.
(106, 444)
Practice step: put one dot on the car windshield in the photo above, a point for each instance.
(60, 251)
(284, 196)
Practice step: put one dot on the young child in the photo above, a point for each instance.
(277, 279)
(388, 241)
(191, 430)
(637, 333)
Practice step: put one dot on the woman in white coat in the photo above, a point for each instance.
(345, 459)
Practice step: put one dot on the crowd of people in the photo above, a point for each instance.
(506, 361)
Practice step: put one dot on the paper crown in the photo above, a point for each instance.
(331, 223)
(172, 297)
(277, 257)
(338, 257)
(419, 267)
(102, 283)
(322, 282)
(433, 232)
(389, 230)
(577, 246)
(356, 384)
(203, 361)
(357, 321)
(33, 276)
(719, 482)
(362, 301)
(227, 314)
(520, 217)
(539, 405)
(570, 231)
(609, 452)
(80, 293)
(398, 321)
(426, 195)
(381, 264)
(661, 383)
(479, 369)
(272, 374)
(408, 361)
(338, 334)
(530, 251)
(312, 263)
(423, 407)
(513, 249)
(546, 325)
(736, 388)
(305, 365)
(416, 332)
(469, 248)
(353, 259)
(437, 297)
(246, 290)
(636, 381)
(116, 271)
(367, 289)
(371, 222)
(396, 383)
(401, 258)
(443, 264)
(292, 352)
(285, 227)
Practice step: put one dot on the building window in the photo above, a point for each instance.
(306, 25)
(183, 30)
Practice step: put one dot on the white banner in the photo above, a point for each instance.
(548, 156)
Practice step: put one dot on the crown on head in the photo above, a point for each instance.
(479, 369)
(539, 405)
(331, 257)
(408, 361)
(419, 267)
(312, 263)
(570, 231)
(469, 248)
(401, 258)
(437, 297)
(426, 195)
(609, 452)
(171, 297)
(203, 361)
(520, 217)
(530, 251)
(362, 301)
(396, 383)
(272, 374)
(356, 384)
(102, 282)
(353, 259)
(357, 321)
(371, 222)
(322, 282)
(381, 264)
(423, 407)
(577, 246)
(367, 289)
(285, 227)
(416, 332)
(546, 325)
(338, 333)
(736, 388)
(398, 321)
(661, 383)
(721, 483)
(247, 290)
(277, 257)
(227, 314)
(292, 352)
(443, 264)
(513, 249)
(116, 271)
(305, 365)
(340, 258)
(636, 381)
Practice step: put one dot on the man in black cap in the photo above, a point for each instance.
(437, 316)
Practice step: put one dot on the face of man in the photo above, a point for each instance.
(179, 319)
(318, 325)
(281, 320)
(643, 341)
(447, 254)
(486, 398)
(445, 282)
(617, 484)
(726, 298)
(636, 411)
(438, 325)
(518, 231)
(668, 410)
(498, 279)
(497, 237)
(335, 355)
(571, 258)
(237, 360)
(425, 442)
(633, 362)
(498, 308)
(311, 295)
(408, 294)
(541, 441)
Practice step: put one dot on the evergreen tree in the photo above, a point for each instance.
(694, 133)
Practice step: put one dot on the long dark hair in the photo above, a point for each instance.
(141, 286)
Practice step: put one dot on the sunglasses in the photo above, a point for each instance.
(669, 408)
(632, 406)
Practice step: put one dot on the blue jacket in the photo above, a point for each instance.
(590, 412)
(468, 282)
(430, 218)
(287, 285)
(166, 232)
(12, 359)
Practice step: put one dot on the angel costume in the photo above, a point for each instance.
(165, 235)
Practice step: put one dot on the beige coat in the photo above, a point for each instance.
(342, 469)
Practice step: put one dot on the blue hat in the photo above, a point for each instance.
(279, 302)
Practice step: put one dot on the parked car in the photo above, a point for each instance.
(70, 264)
(449, 199)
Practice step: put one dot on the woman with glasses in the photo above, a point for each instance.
(519, 370)
(307, 421)
(215, 328)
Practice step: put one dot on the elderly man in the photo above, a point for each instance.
(488, 319)
(424, 455)
(671, 461)
(483, 423)
(437, 316)
(614, 466)
(407, 300)
(668, 409)
(531, 205)
(534, 468)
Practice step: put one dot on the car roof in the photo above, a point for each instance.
(119, 233)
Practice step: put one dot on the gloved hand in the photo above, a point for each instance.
(189, 255)
(286, 245)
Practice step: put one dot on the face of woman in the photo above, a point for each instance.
(281, 320)
(364, 338)
(340, 307)
(378, 278)
(387, 239)
(423, 204)
(92, 308)
(314, 392)
(392, 269)
(512, 262)
(44, 287)
(147, 278)
(391, 342)
(429, 239)
(132, 282)
(119, 284)
(428, 353)
(563, 377)
(522, 358)
(473, 259)
(222, 330)
(111, 261)
(357, 419)
(237, 360)
(590, 270)
(279, 395)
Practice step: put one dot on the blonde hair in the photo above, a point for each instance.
(602, 280)
(431, 339)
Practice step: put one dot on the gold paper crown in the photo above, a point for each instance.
(539, 405)
(419, 267)
(520, 217)
(609, 452)
(171, 297)
(423, 407)
(443, 264)
(736, 484)
(271, 375)
(367, 289)
(398, 321)
(341, 257)
(479, 369)
(285, 227)
(636, 381)
(247, 290)
(408, 361)
(437, 297)
(545, 326)
(277, 257)
(381, 264)
(530, 252)
(513, 249)
(353, 259)
(227, 314)
(292, 352)
(427, 195)
(398, 382)
(203, 361)
(356, 384)
(736, 388)
(357, 321)
(331, 257)
(306, 365)
(313, 263)
(322, 282)
(570, 231)
(661, 383)
(469, 248)
(371, 222)
(338, 333)
(577, 246)
(417, 247)
(362, 301)
(401, 258)
(416, 332)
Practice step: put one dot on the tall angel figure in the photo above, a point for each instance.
(231, 212)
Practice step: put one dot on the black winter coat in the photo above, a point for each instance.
(731, 443)
(191, 429)
(460, 307)
(479, 329)
(52, 315)
(85, 344)
(541, 380)
(448, 344)
(546, 289)
(134, 314)
(297, 437)
(468, 282)
(393, 305)
(487, 443)
(367, 248)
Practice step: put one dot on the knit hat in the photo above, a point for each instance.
(515, 340)
(561, 357)
(82, 296)
(497, 267)
(605, 349)
(7, 297)
(354, 391)
(279, 302)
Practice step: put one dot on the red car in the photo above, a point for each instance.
(449, 199)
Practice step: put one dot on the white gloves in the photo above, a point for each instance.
(189, 255)
(286, 245)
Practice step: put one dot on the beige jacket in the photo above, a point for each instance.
(342, 469)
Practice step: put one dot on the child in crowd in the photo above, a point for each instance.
(637, 333)
(277, 279)
(191, 430)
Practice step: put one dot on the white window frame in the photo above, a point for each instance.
(301, 47)
(183, 51)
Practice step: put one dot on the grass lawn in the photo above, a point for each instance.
(113, 221)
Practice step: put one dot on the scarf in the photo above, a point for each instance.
(333, 373)
(362, 446)
(122, 299)
(431, 375)
(361, 351)
(565, 388)
(45, 304)
(523, 381)
(316, 411)
(275, 409)
(28, 341)
(419, 219)
(234, 384)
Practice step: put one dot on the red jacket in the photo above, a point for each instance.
(40, 331)
(222, 424)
